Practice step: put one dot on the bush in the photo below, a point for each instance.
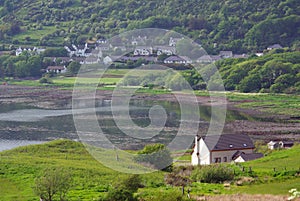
(45, 80)
(213, 174)
(125, 189)
(119, 195)
(155, 155)
(171, 195)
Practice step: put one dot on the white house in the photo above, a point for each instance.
(279, 145)
(173, 41)
(143, 51)
(177, 60)
(273, 145)
(79, 51)
(32, 51)
(226, 54)
(56, 69)
(165, 50)
(247, 157)
(220, 148)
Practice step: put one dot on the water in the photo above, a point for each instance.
(10, 144)
(22, 124)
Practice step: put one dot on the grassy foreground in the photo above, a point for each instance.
(19, 167)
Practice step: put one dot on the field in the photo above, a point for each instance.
(19, 168)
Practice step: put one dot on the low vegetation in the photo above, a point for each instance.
(24, 170)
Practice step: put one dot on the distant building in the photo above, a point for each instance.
(56, 69)
(164, 50)
(143, 51)
(280, 145)
(177, 60)
(240, 56)
(275, 46)
(30, 50)
(243, 157)
(173, 41)
(220, 148)
(259, 54)
(226, 54)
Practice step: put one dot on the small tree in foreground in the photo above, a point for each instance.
(53, 183)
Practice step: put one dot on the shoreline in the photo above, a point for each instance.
(263, 126)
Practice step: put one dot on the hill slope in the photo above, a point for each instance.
(236, 25)
(19, 168)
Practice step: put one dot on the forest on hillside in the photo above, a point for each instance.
(240, 26)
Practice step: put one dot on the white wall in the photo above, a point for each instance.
(203, 158)
(228, 154)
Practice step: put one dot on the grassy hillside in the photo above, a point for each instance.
(237, 25)
(19, 168)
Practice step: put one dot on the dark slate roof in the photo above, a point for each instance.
(175, 58)
(55, 68)
(228, 142)
(71, 48)
(249, 157)
(275, 46)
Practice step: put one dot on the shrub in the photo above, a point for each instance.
(125, 189)
(45, 80)
(155, 155)
(170, 195)
(213, 174)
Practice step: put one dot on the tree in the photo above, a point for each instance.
(156, 155)
(54, 182)
(55, 52)
(74, 67)
(125, 189)
(250, 83)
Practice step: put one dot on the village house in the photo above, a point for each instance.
(280, 145)
(32, 51)
(240, 56)
(226, 54)
(173, 41)
(204, 59)
(275, 46)
(248, 157)
(165, 50)
(56, 69)
(177, 60)
(222, 148)
(140, 40)
(79, 51)
(143, 51)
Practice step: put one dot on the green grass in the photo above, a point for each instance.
(284, 104)
(273, 188)
(280, 160)
(19, 168)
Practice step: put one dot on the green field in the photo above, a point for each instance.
(19, 168)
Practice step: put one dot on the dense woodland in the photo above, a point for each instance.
(240, 26)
